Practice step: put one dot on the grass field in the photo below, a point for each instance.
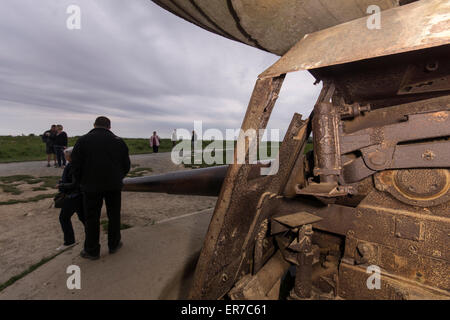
(31, 148)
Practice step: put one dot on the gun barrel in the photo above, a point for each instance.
(205, 182)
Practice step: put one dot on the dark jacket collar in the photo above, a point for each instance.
(100, 130)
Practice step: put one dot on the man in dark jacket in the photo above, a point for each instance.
(60, 143)
(100, 161)
(49, 138)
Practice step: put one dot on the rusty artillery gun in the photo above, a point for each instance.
(375, 191)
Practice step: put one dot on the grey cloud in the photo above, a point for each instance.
(145, 68)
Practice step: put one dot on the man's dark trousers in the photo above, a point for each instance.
(93, 202)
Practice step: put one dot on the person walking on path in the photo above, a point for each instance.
(61, 142)
(154, 142)
(100, 161)
(49, 138)
(73, 202)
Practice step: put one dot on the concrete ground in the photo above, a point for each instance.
(166, 232)
(155, 262)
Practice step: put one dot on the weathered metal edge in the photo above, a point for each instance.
(419, 25)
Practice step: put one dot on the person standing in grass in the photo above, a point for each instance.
(193, 141)
(174, 137)
(73, 202)
(100, 161)
(49, 138)
(61, 142)
(154, 142)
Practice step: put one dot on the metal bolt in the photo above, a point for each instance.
(224, 277)
(428, 155)
(377, 158)
(432, 66)
(413, 249)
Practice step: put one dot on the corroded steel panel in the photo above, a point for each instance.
(271, 25)
(419, 25)
(223, 15)
(278, 24)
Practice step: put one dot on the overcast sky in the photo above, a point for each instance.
(132, 61)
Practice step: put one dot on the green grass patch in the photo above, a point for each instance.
(39, 189)
(8, 188)
(49, 181)
(27, 271)
(31, 148)
(32, 199)
(9, 185)
(104, 224)
(16, 178)
(309, 147)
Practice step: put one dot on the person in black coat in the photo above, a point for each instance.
(49, 139)
(60, 144)
(73, 202)
(100, 160)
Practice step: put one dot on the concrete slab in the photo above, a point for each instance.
(155, 262)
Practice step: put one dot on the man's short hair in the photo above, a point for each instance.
(102, 122)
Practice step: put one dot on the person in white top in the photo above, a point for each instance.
(174, 137)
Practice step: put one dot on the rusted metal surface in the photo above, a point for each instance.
(395, 146)
(303, 276)
(376, 189)
(395, 114)
(240, 210)
(327, 160)
(417, 126)
(418, 187)
(392, 287)
(407, 242)
(380, 82)
(278, 24)
(221, 254)
(260, 286)
(419, 25)
(401, 223)
(417, 79)
(297, 219)
(270, 25)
